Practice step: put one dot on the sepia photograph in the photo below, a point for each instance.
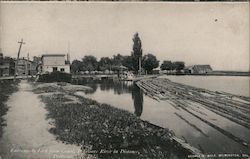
(124, 80)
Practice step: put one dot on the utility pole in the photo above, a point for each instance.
(27, 66)
(18, 54)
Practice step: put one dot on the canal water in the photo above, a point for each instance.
(127, 96)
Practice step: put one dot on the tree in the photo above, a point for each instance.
(149, 62)
(76, 66)
(137, 52)
(117, 60)
(166, 65)
(179, 65)
(127, 62)
(104, 64)
(89, 63)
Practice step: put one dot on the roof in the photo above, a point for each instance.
(207, 67)
(53, 55)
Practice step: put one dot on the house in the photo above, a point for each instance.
(1, 58)
(26, 67)
(54, 62)
(7, 66)
(199, 69)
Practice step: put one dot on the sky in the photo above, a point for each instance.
(197, 33)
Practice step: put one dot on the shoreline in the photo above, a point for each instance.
(103, 130)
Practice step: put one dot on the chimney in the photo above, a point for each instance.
(68, 58)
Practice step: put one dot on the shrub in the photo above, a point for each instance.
(55, 77)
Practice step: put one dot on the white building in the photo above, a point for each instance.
(55, 62)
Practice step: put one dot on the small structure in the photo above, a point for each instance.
(127, 76)
(54, 62)
(200, 69)
(156, 71)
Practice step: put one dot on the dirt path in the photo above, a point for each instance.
(26, 134)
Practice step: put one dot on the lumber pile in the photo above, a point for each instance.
(233, 107)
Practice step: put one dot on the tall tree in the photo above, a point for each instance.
(149, 62)
(137, 52)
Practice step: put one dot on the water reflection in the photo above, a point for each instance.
(137, 96)
(118, 87)
(126, 96)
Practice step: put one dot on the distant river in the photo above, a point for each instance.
(232, 84)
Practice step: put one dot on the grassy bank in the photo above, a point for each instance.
(105, 131)
(7, 87)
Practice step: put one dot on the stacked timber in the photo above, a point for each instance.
(233, 107)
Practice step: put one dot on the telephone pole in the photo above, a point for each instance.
(27, 66)
(18, 54)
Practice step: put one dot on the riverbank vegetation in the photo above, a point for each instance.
(149, 62)
(104, 131)
(90, 64)
(7, 87)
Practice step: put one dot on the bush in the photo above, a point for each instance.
(55, 77)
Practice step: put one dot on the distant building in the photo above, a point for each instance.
(1, 63)
(26, 67)
(21, 67)
(1, 58)
(54, 62)
(199, 69)
(7, 66)
(37, 59)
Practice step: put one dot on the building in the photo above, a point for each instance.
(7, 66)
(22, 68)
(37, 59)
(54, 62)
(200, 69)
(1, 58)
(26, 67)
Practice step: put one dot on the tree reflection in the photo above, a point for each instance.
(137, 96)
(119, 87)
